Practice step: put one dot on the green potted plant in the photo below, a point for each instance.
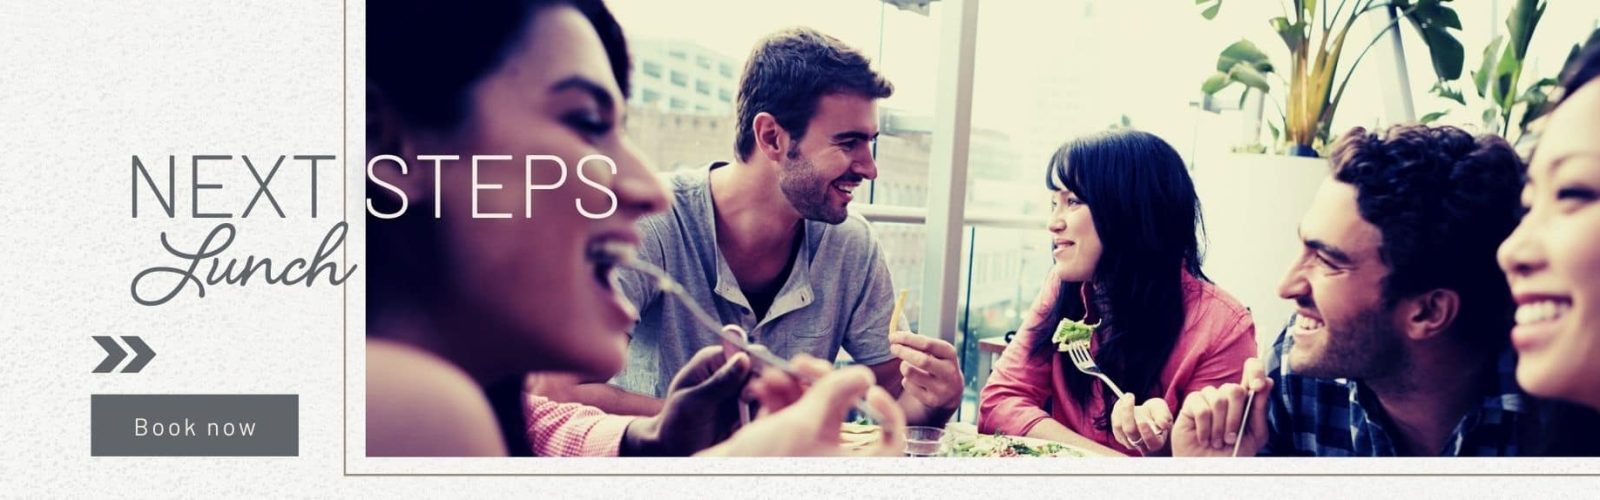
(1253, 202)
(1507, 111)
(1315, 38)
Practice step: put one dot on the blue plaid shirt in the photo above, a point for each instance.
(1339, 418)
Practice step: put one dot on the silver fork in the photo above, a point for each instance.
(1238, 439)
(1079, 352)
(734, 335)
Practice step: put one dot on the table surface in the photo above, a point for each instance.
(858, 437)
(992, 344)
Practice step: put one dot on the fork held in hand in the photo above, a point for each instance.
(732, 334)
(1238, 439)
(1079, 352)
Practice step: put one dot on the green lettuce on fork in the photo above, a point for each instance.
(1071, 330)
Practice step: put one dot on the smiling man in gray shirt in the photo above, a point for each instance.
(766, 242)
(834, 293)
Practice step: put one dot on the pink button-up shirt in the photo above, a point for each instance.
(1218, 336)
(571, 429)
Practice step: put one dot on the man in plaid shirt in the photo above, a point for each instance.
(1321, 417)
(1399, 346)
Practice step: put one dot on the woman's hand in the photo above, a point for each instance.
(1210, 420)
(1142, 427)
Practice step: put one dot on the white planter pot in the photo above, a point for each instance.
(1252, 206)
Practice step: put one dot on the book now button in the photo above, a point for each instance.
(194, 425)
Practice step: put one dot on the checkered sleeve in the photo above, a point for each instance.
(572, 430)
(1279, 428)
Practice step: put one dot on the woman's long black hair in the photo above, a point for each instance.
(423, 58)
(1147, 214)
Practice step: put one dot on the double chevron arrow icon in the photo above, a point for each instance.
(114, 354)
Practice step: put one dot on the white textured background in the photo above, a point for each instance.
(86, 85)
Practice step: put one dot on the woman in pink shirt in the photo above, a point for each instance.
(1125, 222)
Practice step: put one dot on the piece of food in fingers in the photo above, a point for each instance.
(899, 305)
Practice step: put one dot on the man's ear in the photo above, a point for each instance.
(772, 141)
(1429, 314)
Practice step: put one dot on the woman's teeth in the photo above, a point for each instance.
(1542, 311)
(1307, 324)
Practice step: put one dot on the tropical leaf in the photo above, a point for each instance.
(1434, 116)
(1505, 79)
(1248, 75)
(1523, 20)
(1209, 11)
(1246, 52)
(1537, 100)
(1543, 85)
(1442, 90)
(1480, 78)
(1434, 20)
(1215, 83)
(1293, 34)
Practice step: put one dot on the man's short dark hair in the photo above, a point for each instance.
(789, 71)
(1444, 201)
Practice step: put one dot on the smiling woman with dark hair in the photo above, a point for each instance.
(462, 308)
(1553, 256)
(1551, 261)
(1125, 228)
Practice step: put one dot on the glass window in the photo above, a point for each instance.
(1044, 72)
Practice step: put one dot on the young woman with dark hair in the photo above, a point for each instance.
(1126, 229)
(1551, 260)
(461, 308)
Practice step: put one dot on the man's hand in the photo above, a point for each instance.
(929, 372)
(700, 410)
(797, 420)
(1141, 427)
(1210, 418)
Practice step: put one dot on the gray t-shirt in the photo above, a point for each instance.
(837, 294)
